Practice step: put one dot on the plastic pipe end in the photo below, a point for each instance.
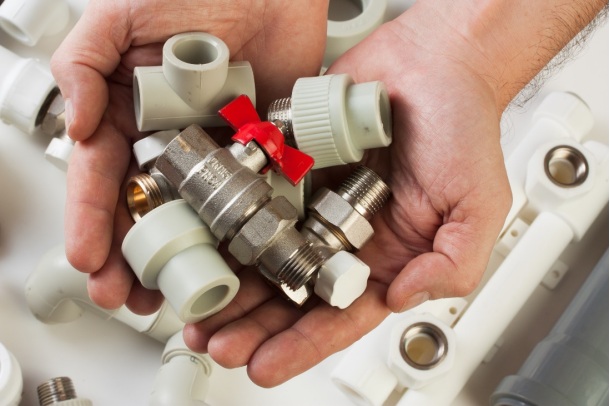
(370, 115)
(28, 21)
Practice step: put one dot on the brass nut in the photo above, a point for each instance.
(262, 229)
(342, 218)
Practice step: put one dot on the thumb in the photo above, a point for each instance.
(89, 54)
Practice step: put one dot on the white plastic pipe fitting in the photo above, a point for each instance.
(183, 379)
(11, 379)
(147, 150)
(564, 189)
(25, 86)
(58, 152)
(29, 20)
(372, 369)
(343, 33)
(55, 292)
(172, 250)
(194, 82)
(334, 120)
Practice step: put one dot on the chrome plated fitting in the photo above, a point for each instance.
(59, 391)
(51, 117)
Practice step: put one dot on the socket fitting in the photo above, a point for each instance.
(170, 249)
(334, 120)
(193, 83)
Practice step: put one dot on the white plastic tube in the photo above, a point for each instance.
(183, 379)
(11, 379)
(29, 20)
(496, 305)
(194, 82)
(342, 34)
(25, 86)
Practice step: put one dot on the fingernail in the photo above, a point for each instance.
(415, 300)
(69, 114)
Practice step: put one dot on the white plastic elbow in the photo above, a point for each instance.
(172, 250)
(183, 377)
(334, 120)
(343, 32)
(25, 86)
(29, 20)
(11, 379)
(194, 82)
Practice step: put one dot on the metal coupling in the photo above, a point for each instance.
(59, 391)
(147, 191)
(340, 220)
(51, 117)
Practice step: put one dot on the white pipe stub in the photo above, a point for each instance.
(29, 20)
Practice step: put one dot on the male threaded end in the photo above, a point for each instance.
(56, 390)
(281, 109)
(365, 191)
(300, 267)
(143, 195)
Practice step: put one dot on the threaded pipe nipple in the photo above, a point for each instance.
(300, 267)
(56, 390)
(365, 191)
(281, 109)
(143, 195)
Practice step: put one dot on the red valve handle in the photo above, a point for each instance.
(289, 162)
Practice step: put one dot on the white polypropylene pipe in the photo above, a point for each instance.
(496, 305)
(25, 85)
(11, 379)
(28, 20)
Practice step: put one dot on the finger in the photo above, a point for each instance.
(233, 345)
(95, 174)
(454, 268)
(110, 286)
(318, 334)
(253, 292)
(88, 54)
(143, 301)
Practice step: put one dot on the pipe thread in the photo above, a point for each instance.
(300, 267)
(281, 109)
(365, 191)
(56, 390)
(143, 195)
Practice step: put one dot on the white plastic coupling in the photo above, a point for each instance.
(172, 250)
(29, 20)
(11, 379)
(59, 150)
(334, 120)
(26, 87)
(194, 82)
(344, 30)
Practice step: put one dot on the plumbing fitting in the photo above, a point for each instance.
(59, 150)
(334, 120)
(193, 83)
(170, 249)
(345, 29)
(29, 20)
(11, 379)
(60, 392)
(28, 93)
(183, 378)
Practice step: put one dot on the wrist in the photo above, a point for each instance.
(505, 43)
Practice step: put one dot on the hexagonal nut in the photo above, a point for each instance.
(342, 279)
(53, 121)
(422, 348)
(335, 210)
(262, 229)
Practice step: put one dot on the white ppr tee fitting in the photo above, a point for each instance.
(11, 379)
(334, 120)
(172, 250)
(342, 34)
(29, 20)
(25, 86)
(194, 82)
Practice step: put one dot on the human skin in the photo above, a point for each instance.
(451, 68)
